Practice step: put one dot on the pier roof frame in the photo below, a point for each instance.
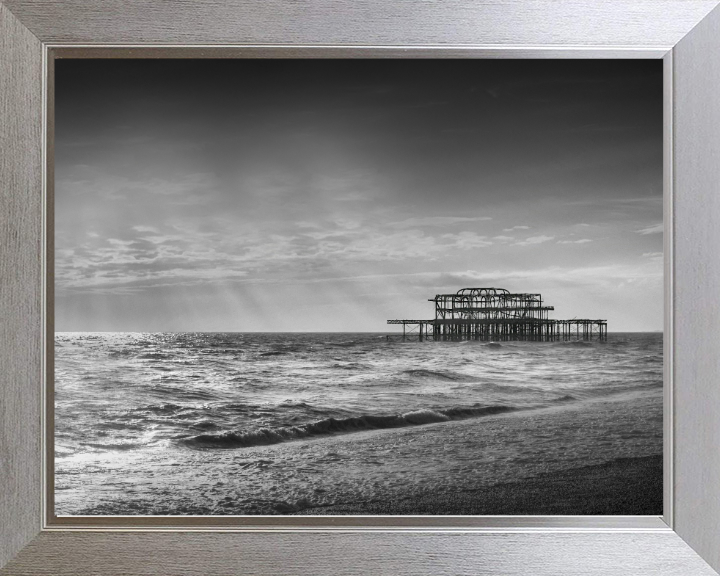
(486, 293)
(482, 291)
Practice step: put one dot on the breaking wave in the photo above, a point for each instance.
(422, 373)
(330, 426)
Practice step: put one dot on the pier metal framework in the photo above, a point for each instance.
(496, 314)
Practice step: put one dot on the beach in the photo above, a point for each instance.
(626, 486)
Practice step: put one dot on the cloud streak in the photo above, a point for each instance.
(438, 221)
(534, 240)
(654, 229)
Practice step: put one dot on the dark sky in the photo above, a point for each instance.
(305, 195)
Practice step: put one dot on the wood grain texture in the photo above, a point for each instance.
(180, 554)
(379, 22)
(697, 288)
(20, 284)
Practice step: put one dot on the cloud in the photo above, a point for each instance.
(654, 229)
(578, 276)
(516, 228)
(503, 238)
(116, 242)
(161, 239)
(187, 251)
(534, 240)
(466, 240)
(347, 223)
(303, 224)
(581, 241)
(437, 221)
(144, 260)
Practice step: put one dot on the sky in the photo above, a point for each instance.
(333, 195)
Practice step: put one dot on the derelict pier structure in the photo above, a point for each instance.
(495, 314)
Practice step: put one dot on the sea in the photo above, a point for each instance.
(277, 423)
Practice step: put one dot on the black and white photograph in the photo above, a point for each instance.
(358, 287)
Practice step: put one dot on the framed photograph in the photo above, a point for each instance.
(220, 234)
(232, 235)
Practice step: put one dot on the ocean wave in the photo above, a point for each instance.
(204, 425)
(332, 426)
(167, 408)
(423, 373)
(504, 388)
(121, 446)
(123, 426)
(153, 356)
(349, 366)
(122, 353)
(161, 390)
(291, 402)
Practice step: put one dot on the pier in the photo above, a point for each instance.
(495, 314)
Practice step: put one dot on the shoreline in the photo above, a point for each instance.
(625, 486)
(584, 458)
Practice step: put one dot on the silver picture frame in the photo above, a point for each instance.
(685, 34)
